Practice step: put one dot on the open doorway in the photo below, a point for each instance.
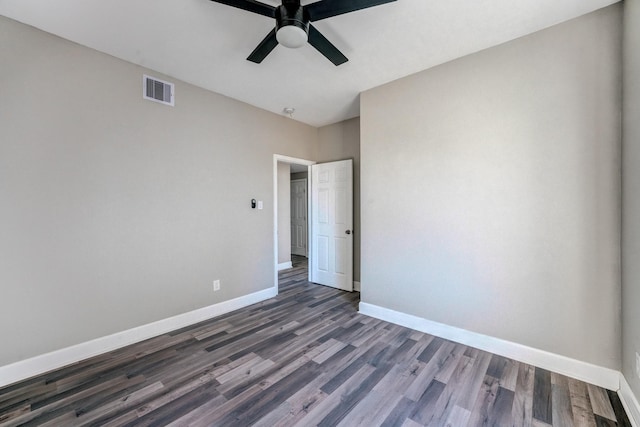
(329, 222)
(290, 225)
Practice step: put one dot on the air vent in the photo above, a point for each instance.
(157, 90)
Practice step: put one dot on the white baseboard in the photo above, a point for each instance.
(356, 286)
(284, 265)
(629, 401)
(598, 375)
(37, 365)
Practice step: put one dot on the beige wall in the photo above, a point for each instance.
(116, 211)
(631, 195)
(284, 212)
(341, 141)
(491, 191)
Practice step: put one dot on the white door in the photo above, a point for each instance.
(299, 217)
(332, 224)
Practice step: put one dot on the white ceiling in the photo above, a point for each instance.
(206, 43)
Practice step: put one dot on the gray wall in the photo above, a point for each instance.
(341, 141)
(284, 212)
(299, 175)
(491, 191)
(631, 195)
(115, 211)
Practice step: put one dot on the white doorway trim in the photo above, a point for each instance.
(278, 158)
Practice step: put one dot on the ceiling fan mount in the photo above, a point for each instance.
(293, 24)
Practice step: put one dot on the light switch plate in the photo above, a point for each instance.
(259, 204)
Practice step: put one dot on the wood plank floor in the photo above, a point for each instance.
(304, 358)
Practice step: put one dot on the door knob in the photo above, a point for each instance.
(348, 232)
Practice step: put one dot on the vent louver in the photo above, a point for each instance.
(157, 90)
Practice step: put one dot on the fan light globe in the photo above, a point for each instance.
(291, 36)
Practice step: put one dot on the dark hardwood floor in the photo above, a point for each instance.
(304, 358)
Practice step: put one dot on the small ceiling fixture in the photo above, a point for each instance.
(289, 111)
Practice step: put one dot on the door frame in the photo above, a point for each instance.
(278, 158)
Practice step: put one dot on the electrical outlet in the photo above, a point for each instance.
(216, 285)
(637, 364)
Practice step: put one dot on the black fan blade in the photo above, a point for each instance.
(328, 8)
(324, 46)
(264, 48)
(251, 6)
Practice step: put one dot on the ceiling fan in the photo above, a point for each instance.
(293, 24)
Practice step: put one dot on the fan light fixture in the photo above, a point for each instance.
(291, 36)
